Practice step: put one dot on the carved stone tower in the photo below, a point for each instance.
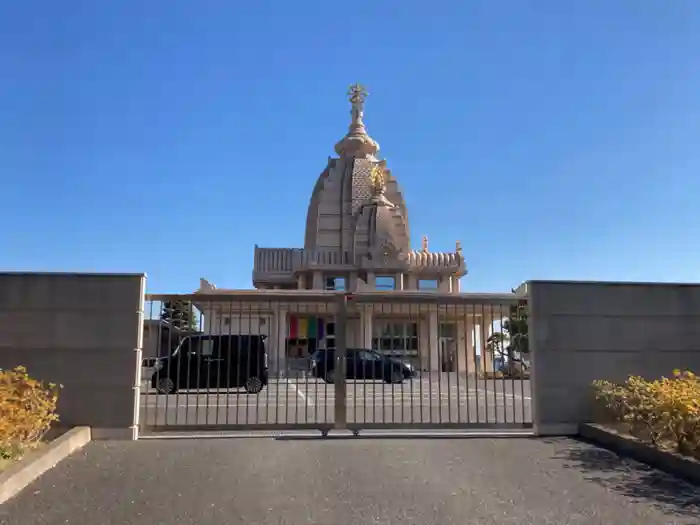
(357, 226)
(357, 206)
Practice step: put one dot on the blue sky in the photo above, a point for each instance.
(554, 139)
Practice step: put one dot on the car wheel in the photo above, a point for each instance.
(165, 386)
(253, 385)
(395, 377)
(330, 377)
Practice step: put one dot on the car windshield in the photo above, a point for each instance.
(318, 355)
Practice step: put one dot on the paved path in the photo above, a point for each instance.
(351, 481)
(308, 401)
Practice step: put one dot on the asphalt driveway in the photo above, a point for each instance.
(351, 481)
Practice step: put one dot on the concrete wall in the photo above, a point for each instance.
(580, 332)
(83, 331)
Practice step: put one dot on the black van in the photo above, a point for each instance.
(213, 362)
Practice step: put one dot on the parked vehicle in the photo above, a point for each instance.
(213, 362)
(361, 364)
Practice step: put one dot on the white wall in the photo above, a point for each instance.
(246, 323)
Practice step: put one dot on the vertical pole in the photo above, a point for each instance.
(138, 352)
(341, 346)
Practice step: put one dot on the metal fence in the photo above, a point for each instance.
(325, 360)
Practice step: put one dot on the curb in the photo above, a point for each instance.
(23, 472)
(624, 445)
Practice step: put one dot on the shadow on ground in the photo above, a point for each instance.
(631, 478)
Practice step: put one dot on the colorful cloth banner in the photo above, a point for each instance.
(303, 327)
(306, 327)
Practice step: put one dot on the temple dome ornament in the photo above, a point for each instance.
(357, 143)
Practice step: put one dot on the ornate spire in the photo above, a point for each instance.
(357, 143)
(458, 247)
(424, 244)
(357, 94)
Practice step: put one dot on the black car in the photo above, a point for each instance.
(361, 364)
(213, 362)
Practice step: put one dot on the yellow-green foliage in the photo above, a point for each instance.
(27, 410)
(665, 412)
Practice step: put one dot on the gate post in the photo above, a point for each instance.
(341, 346)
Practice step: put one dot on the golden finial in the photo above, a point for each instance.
(377, 177)
(357, 94)
(425, 243)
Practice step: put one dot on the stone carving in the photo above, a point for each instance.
(205, 286)
(361, 187)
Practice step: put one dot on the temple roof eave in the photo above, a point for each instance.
(291, 260)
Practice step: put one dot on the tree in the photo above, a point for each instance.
(180, 314)
(512, 343)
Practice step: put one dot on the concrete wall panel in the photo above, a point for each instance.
(580, 332)
(84, 331)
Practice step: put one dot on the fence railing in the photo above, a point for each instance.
(310, 359)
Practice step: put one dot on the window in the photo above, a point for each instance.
(207, 347)
(395, 337)
(448, 330)
(335, 284)
(428, 284)
(385, 282)
(369, 356)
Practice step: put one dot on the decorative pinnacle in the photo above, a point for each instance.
(458, 247)
(356, 143)
(357, 94)
(425, 243)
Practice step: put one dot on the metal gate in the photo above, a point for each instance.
(307, 360)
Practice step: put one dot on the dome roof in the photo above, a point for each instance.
(345, 187)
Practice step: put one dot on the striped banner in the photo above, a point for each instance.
(293, 327)
(306, 327)
(303, 327)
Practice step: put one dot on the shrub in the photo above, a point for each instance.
(665, 412)
(27, 410)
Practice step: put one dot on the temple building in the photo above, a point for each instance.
(357, 240)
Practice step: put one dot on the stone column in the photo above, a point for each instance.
(485, 329)
(371, 280)
(318, 283)
(433, 340)
(278, 354)
(366, 326)
(399, 281)
(301, 282)
(465, 345)
(410, 283)
(445, 284)
(352, 282)
(456, 284)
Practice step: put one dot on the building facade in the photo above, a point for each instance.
(357, 240)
